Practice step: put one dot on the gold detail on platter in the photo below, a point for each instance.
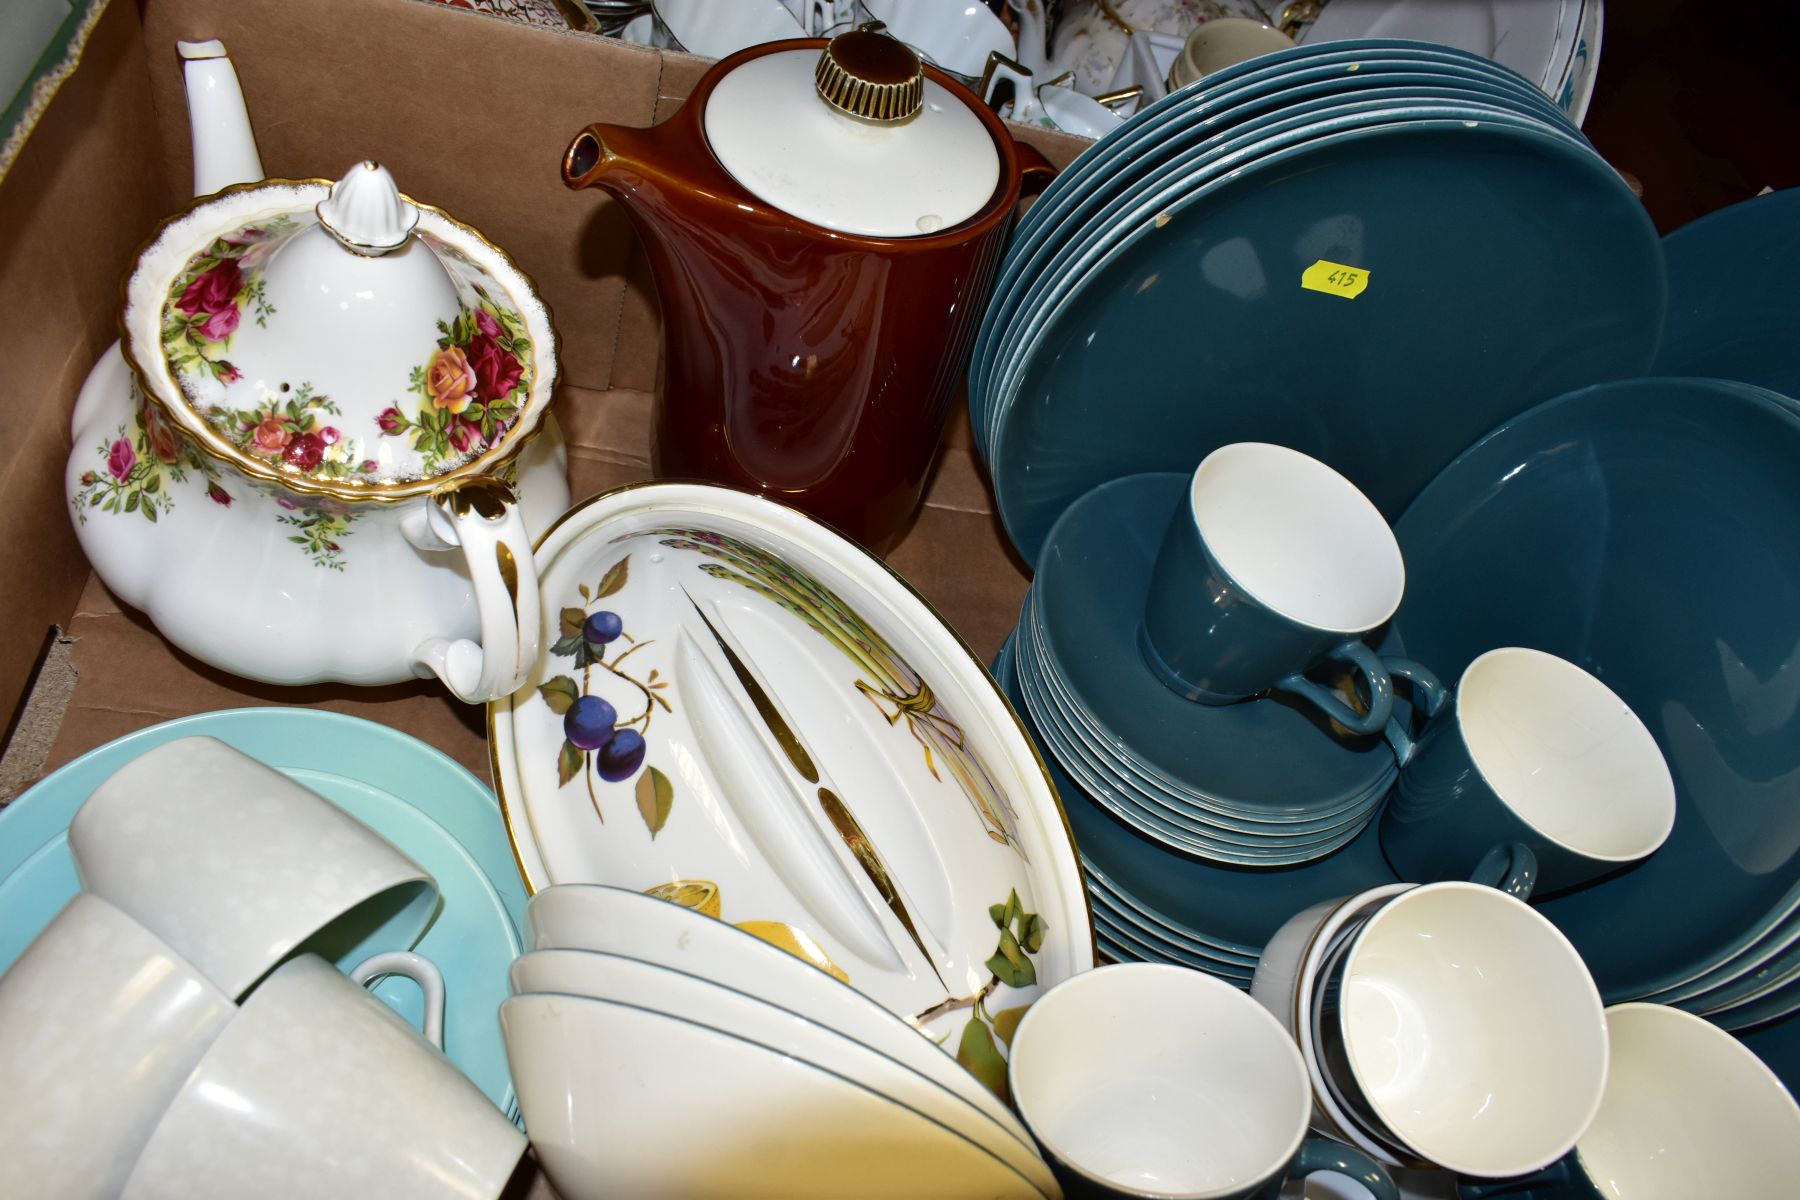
(701, 895)
(797, 943)
(765, 706)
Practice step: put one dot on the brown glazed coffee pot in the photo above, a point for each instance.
(824, 222)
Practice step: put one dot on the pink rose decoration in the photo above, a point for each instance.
(450, 380)
(120, 459)
(328, 435)
(305, 451)
(496, 370)
(287, 504)
(89, 478)
(227, 373)
(271, 436)
(213, 290)
(218, 494)
(220, 325)
(389, 420)
(486, 324)
(459, 436)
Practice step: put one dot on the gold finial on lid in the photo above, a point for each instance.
(871, 75)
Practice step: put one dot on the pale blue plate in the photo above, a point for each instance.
(427, 805)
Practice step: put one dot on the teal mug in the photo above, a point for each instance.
(1529, 751)
(1275, 565)
(1688, 1111)
(1145, 1080)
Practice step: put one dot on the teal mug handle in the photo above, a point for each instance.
(1374, 671)
(1511, 867)
(1323, 1154)
(1428, 697)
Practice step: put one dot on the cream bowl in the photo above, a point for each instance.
(626, 1101)
(1474, 1029)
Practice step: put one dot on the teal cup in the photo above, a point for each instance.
(1275, 566)
(1531, 765)
(1688, 1111)
(1150, 1081)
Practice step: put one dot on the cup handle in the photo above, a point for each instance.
(1001, 69)
(420, 970)
(1376, 682)
(1428, 697)
(1323, 1154)
(1509, 866)
(481, 515)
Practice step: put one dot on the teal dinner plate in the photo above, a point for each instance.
(1649, 532)
(433, 810)
(1205, 112)
(1186, 335)
(1733, 304)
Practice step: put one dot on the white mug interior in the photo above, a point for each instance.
(1223, 42)
(1298, 537)
(1688, 1111)
(1157, 1080)
(1474, 1029)
(1566, 754)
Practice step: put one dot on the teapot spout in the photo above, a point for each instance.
(600, 154)
(224, 147)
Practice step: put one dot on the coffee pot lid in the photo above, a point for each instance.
(854, 138)
(338, 338)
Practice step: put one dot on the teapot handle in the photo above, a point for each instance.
(480, 514)
(1035, 171)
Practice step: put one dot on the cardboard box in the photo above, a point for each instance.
(470, 113)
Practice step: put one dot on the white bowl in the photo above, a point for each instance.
(1474, 1029)
(624, 1101)
(614, 921)
(1688, 1111)
(729, 1010)
(717, 28)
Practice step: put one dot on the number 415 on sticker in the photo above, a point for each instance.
(1335, 279)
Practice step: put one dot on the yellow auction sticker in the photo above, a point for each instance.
(1335, 279)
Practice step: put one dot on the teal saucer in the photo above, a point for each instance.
(427, 805)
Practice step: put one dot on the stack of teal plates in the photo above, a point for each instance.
(1372, 252)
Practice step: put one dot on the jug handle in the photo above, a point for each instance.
(480, 515)
(1035, 171)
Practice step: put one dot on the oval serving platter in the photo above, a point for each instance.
(743, 711)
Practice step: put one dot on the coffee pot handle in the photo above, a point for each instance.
(1035, 171)
(480, 515)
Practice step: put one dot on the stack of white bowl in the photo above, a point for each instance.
(166, 1036)
(659, 1052)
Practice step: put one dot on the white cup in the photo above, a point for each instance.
(318, 1091)
(235, 865)
(1473, 1029)
(1146, 1080)
(99, 1024)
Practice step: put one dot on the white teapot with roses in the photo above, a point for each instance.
(322, 449)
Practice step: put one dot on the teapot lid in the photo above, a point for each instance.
(339, 339)
(854, 139)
